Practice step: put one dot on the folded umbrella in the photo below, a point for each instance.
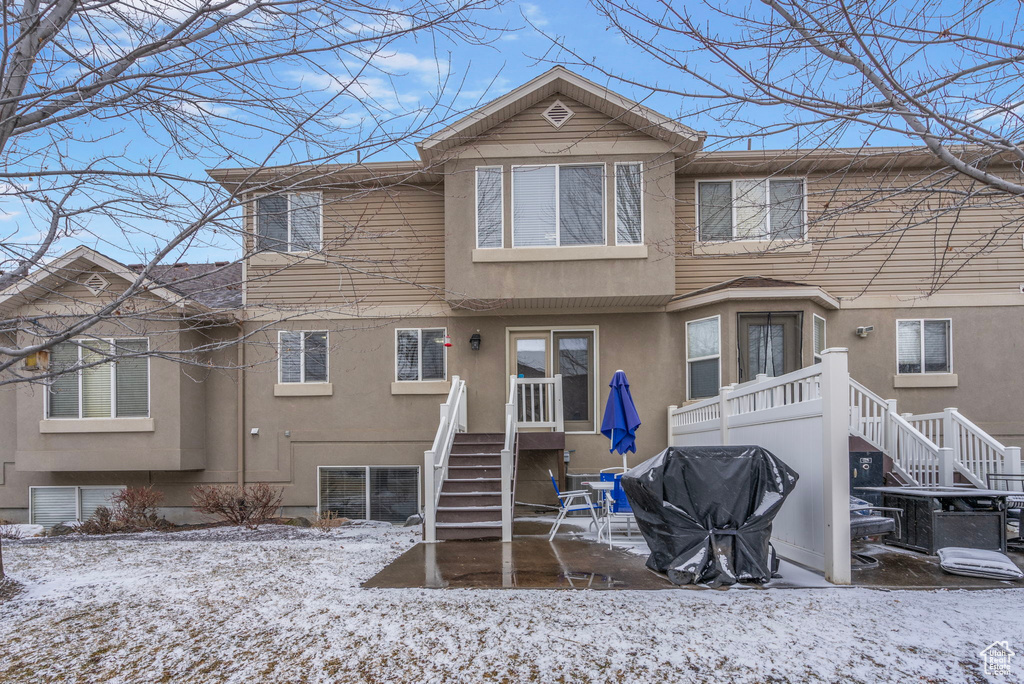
(620, 417)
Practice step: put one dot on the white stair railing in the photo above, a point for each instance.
(975, 452)
(538, 402)
(507, 454)
(435, 459)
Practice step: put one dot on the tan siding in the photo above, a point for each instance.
(868, 237)
(585, 124)
(380, 248)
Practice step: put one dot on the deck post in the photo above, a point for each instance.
(671, 408)
(835, 416)
(949, 432)
(1011, 461)
(559, 412)
(889, 428)
(946, 466)
(429, 500)
(723, 413)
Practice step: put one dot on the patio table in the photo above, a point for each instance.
(603, 490)
(936, 517)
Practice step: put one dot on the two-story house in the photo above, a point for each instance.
(560, 232)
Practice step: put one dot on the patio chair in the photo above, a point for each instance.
(1011, 482)
(865, 522)
(618, 504)
(570, 502)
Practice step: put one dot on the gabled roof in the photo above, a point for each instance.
(752, 287)
(558, 79)
(64, 269)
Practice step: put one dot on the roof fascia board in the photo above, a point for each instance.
(815, 294)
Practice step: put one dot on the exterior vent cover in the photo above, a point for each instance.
(96, 283)
(557, 114)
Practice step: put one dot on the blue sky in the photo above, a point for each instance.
(405, 80)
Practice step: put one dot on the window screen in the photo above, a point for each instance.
(302, 356)
(489, 207)
(558, 205)
(289, 222)
(628, 204)
(751, 209)
(533, 206)
(343, 492)
(819, 337)
(132, 374)
(99, 387)
(923, 346)
(420, 354)
(715, 211)
(581, 205)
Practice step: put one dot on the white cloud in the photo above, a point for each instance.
(381, 23)
(533, 14)
(404, 61)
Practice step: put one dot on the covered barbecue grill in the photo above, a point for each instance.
(706, 512)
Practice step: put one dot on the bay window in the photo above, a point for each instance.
(923, 346)
(750, 209)
(102, 379)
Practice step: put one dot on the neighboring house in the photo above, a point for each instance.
(560, 230)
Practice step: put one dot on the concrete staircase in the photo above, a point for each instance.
(470, 502)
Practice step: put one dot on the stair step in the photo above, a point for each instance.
(455, 499)
(473, 472)
(474, 459)
(465, 516)
(484, 449)
(479, 437)
(460, 532)
(469, 508)
(478, 525)
(479, 485)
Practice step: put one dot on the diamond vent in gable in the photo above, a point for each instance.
(557, 114)
(96, 283)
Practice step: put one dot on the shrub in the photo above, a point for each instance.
(135, 507)
(250, 506)
(100, 522)
(327, 521)
(9, 530)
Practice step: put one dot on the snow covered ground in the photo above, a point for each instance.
(284, 605)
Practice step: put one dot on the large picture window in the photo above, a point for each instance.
(750, 209)
(923, 346)
(95, 386)
(302, 356)
(703, 357)
(289, 222)
(558, 205)
(420, 354)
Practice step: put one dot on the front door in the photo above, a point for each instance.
(545, 354)
(769, 343)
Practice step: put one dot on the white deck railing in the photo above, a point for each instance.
(975, 452)
(538, 402)
(435, 460)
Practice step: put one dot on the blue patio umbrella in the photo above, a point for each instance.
(620, 417)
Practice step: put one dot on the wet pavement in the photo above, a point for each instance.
(904, 569)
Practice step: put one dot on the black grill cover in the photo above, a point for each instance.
(706, 512)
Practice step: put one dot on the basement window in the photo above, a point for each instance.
(49, 506)
(385, 493)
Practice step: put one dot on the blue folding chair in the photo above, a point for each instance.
(570, 502)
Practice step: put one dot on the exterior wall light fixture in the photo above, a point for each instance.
(474, 341)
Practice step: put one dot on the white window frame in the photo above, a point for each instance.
(288, 213)
(949, 345)
(558, 208)
(419, 357)
(815, 355)
(78, 495)
(615, 184)
(686, 350)
(113, 383)
(302, 358)
(476, 204)
(768, 214)
(366, 473)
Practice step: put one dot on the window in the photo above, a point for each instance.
(302, 356)
(289, 222)
(558, 205)
(629, 190)
(387, 493)
(703, 357)
(49, 506)
(754, 209)
(420, 354)
(819, 337)
(923, 346)
(490, 208)
(97, 388)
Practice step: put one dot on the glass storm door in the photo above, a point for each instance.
(569, 354)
